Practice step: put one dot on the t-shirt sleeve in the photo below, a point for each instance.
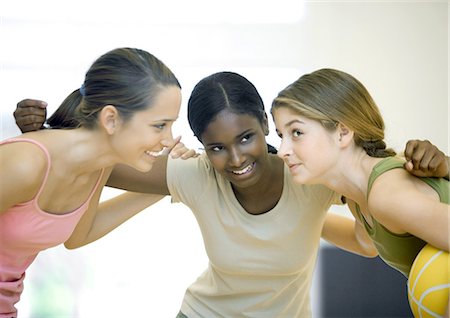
(187, 179)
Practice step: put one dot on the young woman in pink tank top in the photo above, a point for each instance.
(51, 180)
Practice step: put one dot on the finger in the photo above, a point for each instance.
(178, 150)
(435, 162)
(189, 154)
(176, 140)
(424, 163)
(31, 103)
(438, 166)
(29, 111)
(30, 127)
(165, 151)
(408, 166)
(170, 144)
(417, 156)
(31, 119)
(409, 149)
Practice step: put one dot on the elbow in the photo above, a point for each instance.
(72, 245)
(371, 254)
(367, 249)
(367, 254)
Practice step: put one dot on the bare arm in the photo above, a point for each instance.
(347, 234)
(154, 181)
(403, 203)
(102, 218)
(108, 216)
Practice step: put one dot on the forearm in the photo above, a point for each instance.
(110, 214)
(152, 182)
(341, 231)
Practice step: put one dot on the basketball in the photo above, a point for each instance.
(428, 283)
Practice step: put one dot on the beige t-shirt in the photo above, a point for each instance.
(259, 265)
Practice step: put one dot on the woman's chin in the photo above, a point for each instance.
(302, 179)
(143, 167)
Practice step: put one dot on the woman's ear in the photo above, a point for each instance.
(109, 119)
(345, 135)
(265, 125)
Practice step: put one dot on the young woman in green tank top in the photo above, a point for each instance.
(332, 134)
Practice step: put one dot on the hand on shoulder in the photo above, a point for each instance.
(426, 160)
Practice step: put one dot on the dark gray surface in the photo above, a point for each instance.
(355, 286)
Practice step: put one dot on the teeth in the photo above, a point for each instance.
(154, 153)
(245, 170)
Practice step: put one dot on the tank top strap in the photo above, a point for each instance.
(441, 186)
(44, 150)
(383, 166)
(96, 185)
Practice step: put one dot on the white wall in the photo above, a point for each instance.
(398, 49)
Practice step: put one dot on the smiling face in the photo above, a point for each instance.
(309, 150)
(138, 140)
(236, 147)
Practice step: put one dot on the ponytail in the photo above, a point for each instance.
(66, 114)
(375, 148)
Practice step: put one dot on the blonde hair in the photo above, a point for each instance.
(331, 97)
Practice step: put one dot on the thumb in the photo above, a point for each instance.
(169, 144)
(415, 172)
(408, 165)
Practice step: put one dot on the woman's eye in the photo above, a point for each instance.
(296, 133)
(160, 126)
(216, 148)
(246, 138)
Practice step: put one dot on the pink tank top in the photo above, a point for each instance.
(25, 230)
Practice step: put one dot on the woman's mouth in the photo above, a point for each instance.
(292, 166)
(154, 154)
(245, 170)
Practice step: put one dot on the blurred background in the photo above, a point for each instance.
(397, 49)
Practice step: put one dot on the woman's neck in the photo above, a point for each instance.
(81, 150)
(350, 175)
(265, 194)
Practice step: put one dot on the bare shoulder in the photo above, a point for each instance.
(23, 165)
(395, 182)
(395, 192)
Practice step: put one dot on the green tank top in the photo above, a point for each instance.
(398, 250)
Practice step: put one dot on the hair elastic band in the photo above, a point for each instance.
(82, 90)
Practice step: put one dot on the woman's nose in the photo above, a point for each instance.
(283, 151)
(236, 157)
(168, 134)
